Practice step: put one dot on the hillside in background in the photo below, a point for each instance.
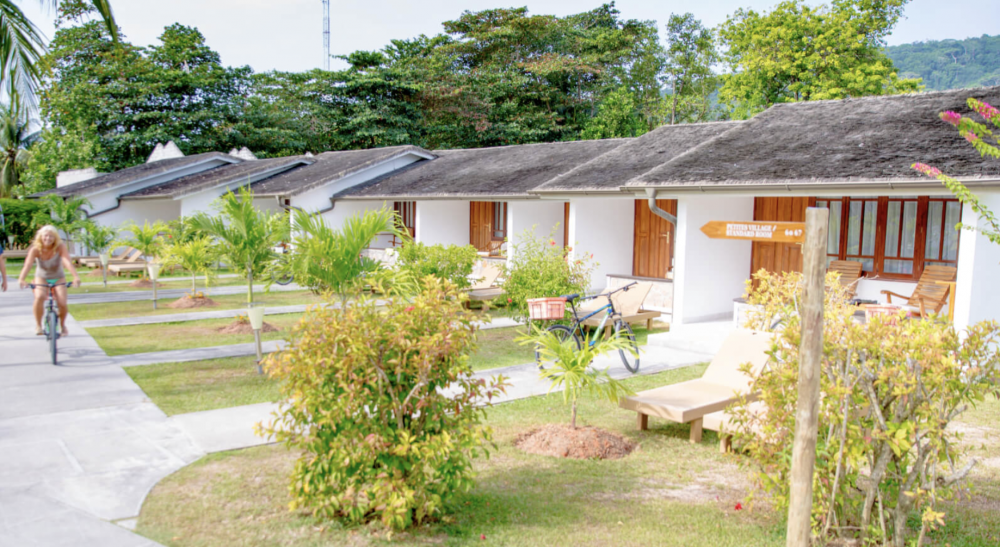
(950, 64)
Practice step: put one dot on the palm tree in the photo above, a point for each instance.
(14, 142)
(246, 236)
(147, 239)
(22, 45)
(194, 256)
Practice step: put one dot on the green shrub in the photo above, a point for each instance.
(889, 390)
(19, 219)
(540, 268)
(382, 404)
(449, 262)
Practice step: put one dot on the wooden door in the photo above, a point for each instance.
(480, 224)
(653, 241)
(779, 257)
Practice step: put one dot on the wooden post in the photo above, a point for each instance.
(810, 354)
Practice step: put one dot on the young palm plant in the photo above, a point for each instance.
(245, 235)
(67, 215)
(329, 260)
(571, 368)
(97, 238)
(147, 239)
(194, 256)
(15, 139)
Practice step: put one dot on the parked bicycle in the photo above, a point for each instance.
(575, 330)
(50, 320)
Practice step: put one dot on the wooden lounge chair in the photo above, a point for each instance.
(129, 256)
(485, 289)
(719, 387)
(627, 303)
(929, 296)
(850, 273)
(128, 267)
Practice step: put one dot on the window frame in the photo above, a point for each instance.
(499, 216)
(881, 230)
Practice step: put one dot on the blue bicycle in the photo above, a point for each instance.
(50, 321)
(563, 332)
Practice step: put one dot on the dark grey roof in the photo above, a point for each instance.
(871, 139)
(135, 173)
(614, 169)
(225, 174)
(504, 171)
(329, 167)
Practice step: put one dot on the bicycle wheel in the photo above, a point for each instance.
(53, 325)
(629, 359)
(562, 332)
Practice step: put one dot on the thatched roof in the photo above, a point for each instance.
(137, 173)
(330, 167)
(247, 171)
(498, 172)
(613, 169)
(852, 141)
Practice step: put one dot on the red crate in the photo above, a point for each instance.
(546, 309)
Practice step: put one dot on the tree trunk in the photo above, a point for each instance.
(194, 283)
(249, 286)
(572, 421)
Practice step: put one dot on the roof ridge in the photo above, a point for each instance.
(579, 141)
(888, 97)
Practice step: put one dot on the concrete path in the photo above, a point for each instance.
(236, 350)
(130, 296)
(80, 445)
(120, 281)
(187, 316)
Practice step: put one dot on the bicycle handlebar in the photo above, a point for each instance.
(51, 285)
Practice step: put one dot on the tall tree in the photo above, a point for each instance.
(688, 72)
(800, 53)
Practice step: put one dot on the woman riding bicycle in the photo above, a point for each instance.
(49, 254)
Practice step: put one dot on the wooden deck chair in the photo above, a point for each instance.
(719, 387)
(850, 273)
(627, 303)
(129, 256)
(484, 289)
(929, 296)
(722, 423)
(130, 267)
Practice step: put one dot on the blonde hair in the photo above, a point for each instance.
(41, 231)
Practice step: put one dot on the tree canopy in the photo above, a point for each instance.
(950, 64)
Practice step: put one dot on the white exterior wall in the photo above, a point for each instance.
(444, 222)
(604, 226)
(199, 203)
(976, 295)
(708, 273)
(345, 209)
(542, 218)
(871, 289)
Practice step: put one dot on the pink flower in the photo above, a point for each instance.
(552, 242)
(986, 110)
(951, 117)
(970, 136)
(927, 169)
(739, 506)
(510, 300)
(410, 308)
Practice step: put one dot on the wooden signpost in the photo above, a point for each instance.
(769, 232)
(812, 235)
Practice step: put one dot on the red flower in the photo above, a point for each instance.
(482, 536)
(410, 308)
(739, 506)
(510, 300)
(552, 242)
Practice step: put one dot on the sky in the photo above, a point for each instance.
(288, 34)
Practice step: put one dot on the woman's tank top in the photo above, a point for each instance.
(51, 268)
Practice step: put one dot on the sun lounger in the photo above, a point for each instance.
(719, 387)
(627, 303)
(929, 296)
(129, 256)
(485, 288)
(850, 273)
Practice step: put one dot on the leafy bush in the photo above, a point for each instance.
(19, 218)
(541, 268)
(889, 390)
(383, 406)
(449, 262)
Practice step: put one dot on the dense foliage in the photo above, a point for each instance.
(382, 404)
(19, 219)
(691, 52)
(950, 64)
(538, 268)
(799, 53)
(889, 390)
(452, 263)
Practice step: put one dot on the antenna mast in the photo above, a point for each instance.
(326, 34)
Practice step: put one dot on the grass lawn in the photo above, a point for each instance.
(178, 388)
(668, 492)
(177, 283)
(86, 312)
(181, 335)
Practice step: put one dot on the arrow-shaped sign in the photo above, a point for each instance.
(774, 232)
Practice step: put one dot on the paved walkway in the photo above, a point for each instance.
(81, 445)
(129, 296)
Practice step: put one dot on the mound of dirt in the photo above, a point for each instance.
(243, 327)
(582, 443)
(143, 284)
(186, 302)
